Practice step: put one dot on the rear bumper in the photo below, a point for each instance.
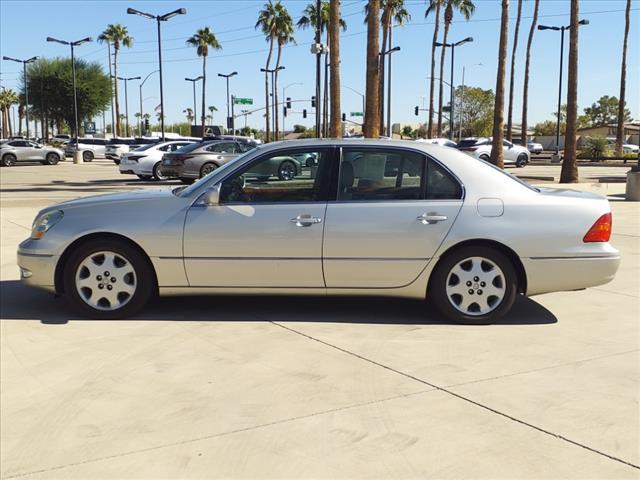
(546, 275)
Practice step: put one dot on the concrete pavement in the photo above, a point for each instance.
(203, 387)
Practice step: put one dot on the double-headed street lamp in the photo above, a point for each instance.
(126, 97)
(26, 85)
(193, 81)
(561, 30)
(387, 130)
(141, 114)
(77, 155)
(453, 46)
(274, 107)
(230, 120)
(158, 19)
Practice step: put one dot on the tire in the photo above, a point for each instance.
(157, 172)
(287, 170)
(52, 159)
(187, 181)
(521, 161)
(9, 160)
(486, 158)
(207, 168)
(132, 288)
(144, 177)
(454, 273)
(87, 156)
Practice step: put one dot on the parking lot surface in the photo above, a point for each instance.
(220, 387)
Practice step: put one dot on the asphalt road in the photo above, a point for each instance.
(204, 387)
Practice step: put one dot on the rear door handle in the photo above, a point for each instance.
(305, 220)
(429, 218)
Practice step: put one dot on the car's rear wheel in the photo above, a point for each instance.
(8, 160)
(287, 170)
(521, 161)
(207, 168)
(87, 156)
(157, 172)
(52, 158)
(474, 285)
(485, 157)
(108, 279)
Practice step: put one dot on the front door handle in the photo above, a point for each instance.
(305, 220)
(429, 218)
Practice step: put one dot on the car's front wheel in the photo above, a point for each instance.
(52, 158)
(108, 279)
(287, 170)
(87, 156)
(521, 160)
(8, 160)
(207, 168)
(474, 285)
(157, 172)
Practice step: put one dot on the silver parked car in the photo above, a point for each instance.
(14, 151)
(90, 147)
(199, 159)
(460, 232)
(481, 148)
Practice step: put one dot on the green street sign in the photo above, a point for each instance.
(357, 114)
(243, 101)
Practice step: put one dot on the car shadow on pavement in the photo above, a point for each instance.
(18, 302)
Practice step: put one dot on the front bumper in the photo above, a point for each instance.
(546, 275)
(37, 269)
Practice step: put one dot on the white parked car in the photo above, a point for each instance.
(90, 147)
(374, 217)
(116, 147)
(445, 142)
(13, 151)
(534, 147)
(146, 161)
(626, 147)
(481, 148)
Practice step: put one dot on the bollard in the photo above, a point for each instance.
(77, 157)
(632, 191)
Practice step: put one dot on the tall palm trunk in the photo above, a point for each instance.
(525, 89)
(372, 113)
(385, 41)
(443, 54)
(9, 119)
(276, 114)
(623, 83)
(334, 36)
(512, 72)
(325, 93)
(20, 115)
(569, 172)
(115, 89)
(266, 93)
(5, 124)
(204, 83)
(432, 80)
(497, 154)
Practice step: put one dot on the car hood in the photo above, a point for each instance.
(124, 197)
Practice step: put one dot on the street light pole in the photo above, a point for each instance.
(26, 85)
(561, 30)
(230, 119)
(195, 111)
(158, 19)
(453, 46)
(126, 97)
(274, 107)
(387, 130)
(77, 154)
(462, 99)
(358, 93)
(141, 113)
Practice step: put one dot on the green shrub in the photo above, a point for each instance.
(597, 147)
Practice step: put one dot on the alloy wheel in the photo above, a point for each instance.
(475, 286)
(105, 280)
(287, 171)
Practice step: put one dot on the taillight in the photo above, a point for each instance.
(600, 231)
(181, 158)
(135, 158)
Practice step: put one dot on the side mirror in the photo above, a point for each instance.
(211, 198)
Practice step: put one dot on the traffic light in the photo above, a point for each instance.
(304, 113)
(146, 124)
(344, 117)
(416, 110)
(313, 102)
(288, 102)
(284, 111)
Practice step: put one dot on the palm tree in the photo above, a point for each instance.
(466, 8)
(335, 22)
(284, 35)
(525, 90)
(569, 171)
(393, 11)
(118, 35)
(371, 127)
(202, 40)
(189, 114)
(309, 18)
(267, 23)
(512, 72)
(8, 98)
(497, 154)
(212, 109)
(623, 83)
(434, 6)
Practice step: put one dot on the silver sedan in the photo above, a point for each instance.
(15, 151)
(381, 218)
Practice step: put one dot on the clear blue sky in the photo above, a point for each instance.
(25, 25)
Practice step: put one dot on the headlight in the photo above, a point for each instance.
(44, 222)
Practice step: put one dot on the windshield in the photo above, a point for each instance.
(190, 148)
(218, 171)
(146, 147)
(120, 141)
